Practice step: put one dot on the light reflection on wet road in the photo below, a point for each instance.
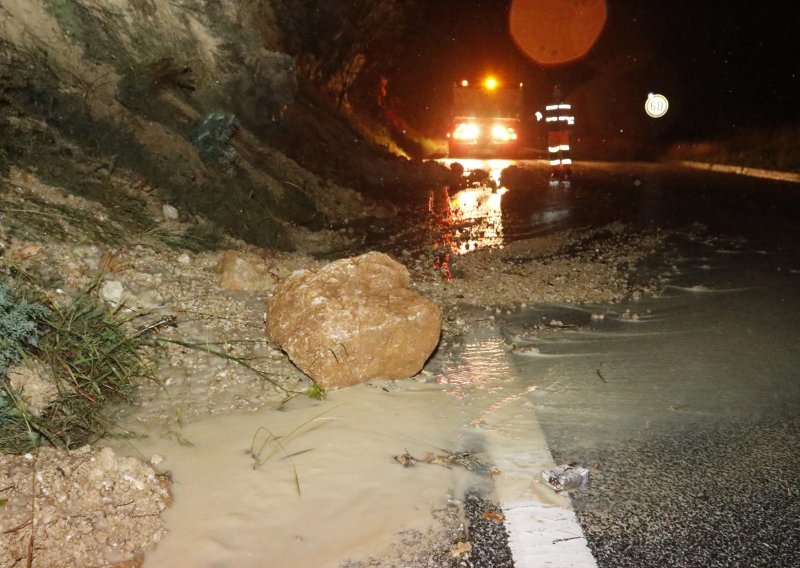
(640, 194)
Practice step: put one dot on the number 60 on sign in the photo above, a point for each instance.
(656, 105)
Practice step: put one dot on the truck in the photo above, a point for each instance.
(486, 119)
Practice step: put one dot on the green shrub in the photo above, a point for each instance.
(19, 327)
(20, 322)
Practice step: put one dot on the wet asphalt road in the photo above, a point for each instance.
(712, 496)
(488, 538)
(690, 422)
(652, 195)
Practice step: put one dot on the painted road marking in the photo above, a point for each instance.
(541, 524)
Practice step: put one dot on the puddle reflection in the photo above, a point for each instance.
(492, 167)
(468, 218)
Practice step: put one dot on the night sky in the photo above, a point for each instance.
(724, 68)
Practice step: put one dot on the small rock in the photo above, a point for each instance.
(112, 292)
(170, 212)
(244, 272)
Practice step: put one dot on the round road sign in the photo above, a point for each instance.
(656, 106)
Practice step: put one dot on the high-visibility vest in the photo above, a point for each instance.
(558, 116)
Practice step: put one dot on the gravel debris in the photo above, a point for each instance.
(87, 507)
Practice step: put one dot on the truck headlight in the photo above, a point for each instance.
(502, 133)
(466, 131)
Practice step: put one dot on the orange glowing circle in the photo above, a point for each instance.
(554, 32)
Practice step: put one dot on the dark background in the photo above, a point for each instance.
(723, 66)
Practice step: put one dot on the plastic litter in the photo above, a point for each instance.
(566, 477)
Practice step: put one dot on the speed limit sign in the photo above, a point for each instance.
(656, 105)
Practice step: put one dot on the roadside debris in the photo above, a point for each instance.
(566, 477)
(492, 516)
(460, 549)
(448, 460)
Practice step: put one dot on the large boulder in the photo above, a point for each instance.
(354, 320)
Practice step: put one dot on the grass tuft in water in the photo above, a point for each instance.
(316, 391)
(266, 445)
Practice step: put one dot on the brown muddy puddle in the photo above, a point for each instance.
(317, 483)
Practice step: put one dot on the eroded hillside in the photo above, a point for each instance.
(196, 101)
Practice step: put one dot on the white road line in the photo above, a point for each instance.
(539, 536)
(743, 170)
(542, 527)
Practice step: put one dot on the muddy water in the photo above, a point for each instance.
(326, 490)
(329, 489)
(687, 403)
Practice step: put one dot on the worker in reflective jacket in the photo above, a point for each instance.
(559, 120)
